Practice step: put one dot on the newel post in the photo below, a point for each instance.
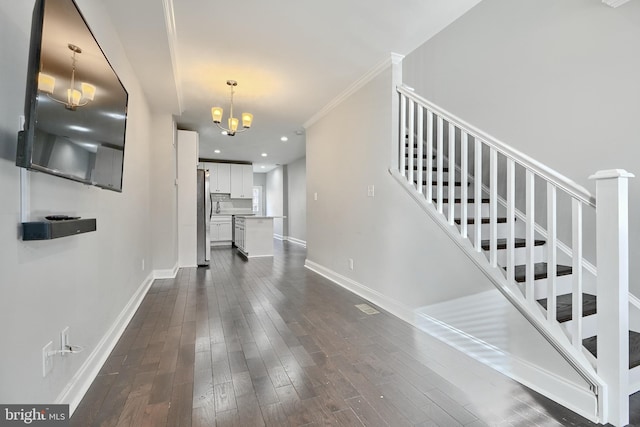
(612, 251)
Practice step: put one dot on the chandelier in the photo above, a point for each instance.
(232, 129)
(75, 98)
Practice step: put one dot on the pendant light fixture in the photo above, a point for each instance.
(232, 129)
(75, 98)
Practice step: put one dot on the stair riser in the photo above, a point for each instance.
(564, 285)
(520, 255)
(589, 326)
(485, 230)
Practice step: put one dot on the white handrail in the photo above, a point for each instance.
(560, 181)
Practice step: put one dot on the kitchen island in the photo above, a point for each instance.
(254, 235)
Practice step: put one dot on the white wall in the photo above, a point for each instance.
(187, 161)
(275, 199)
(557, 80)
(401, 258)
(83, 281)
(297, 199)
(164, 193)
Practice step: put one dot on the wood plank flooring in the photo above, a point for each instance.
(266, 342)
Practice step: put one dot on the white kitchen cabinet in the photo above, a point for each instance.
(220, 229)
(219, 177)
(241, 181)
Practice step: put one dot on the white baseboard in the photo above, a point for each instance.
(278, 236)
(388, 304)
(75, 390)
(296, 241)
(166, 274)
(580, 401)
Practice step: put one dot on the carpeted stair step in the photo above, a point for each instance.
(539, 271)
(471, 221)
(564, 306)
(591, 344)
(502, 243)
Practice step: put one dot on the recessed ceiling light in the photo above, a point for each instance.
(264, 154)
(262, 166)
(284, 139)
(224, 132)
(216, 151)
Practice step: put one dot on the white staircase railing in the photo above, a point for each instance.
(489, 196)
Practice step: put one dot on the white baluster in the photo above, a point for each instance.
(511, 215)
(493, 206)
(451, 176)
(429, 157)
(464, 179)
(576, 273)
(530, 236)
(612, 251)
(403, 133)
(439, 156)
(411, 142)
(420, 139)
(552, 251)
(477, 191)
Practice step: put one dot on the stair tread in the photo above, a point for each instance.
(564, 306)
(424, 168)
(519, 243)
(500, 220)
(459, 200)
(446, 183)
(540, 271)
(591, 344)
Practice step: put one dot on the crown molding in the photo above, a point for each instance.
(172, 39)
(393, 58)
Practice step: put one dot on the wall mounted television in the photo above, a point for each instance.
(75, 105)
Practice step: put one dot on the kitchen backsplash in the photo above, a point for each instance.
(229, 205)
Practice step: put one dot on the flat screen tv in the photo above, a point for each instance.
(76, 106)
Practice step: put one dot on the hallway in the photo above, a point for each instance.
(268, 342)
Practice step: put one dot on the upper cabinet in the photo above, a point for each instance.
(219, 177)
(241, 181)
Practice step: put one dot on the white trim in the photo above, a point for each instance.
(297, 241)
(75, 389)
(172, 41)
(386, 303)
(564, 392)
(393, 58)
(279, 237)
(166, 274)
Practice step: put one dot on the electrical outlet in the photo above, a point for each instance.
(142, 264)
(350, 263)
(371, 190)
(64, 340)
(315, 196)
(47, 359)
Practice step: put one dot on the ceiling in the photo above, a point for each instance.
(290, 57)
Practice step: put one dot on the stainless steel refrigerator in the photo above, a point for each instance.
(204, 218)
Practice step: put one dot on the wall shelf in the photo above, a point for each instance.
(47, 230)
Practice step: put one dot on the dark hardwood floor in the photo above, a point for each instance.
(267, 342)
